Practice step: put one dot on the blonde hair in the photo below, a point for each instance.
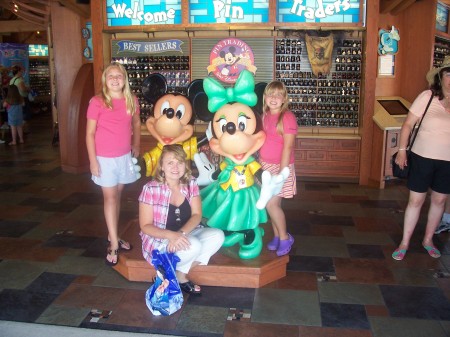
(180, 155)
(277, 87)
(130, 101)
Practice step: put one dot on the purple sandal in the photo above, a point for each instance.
(273, 245)
(285, 246)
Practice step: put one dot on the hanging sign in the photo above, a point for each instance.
(228, 58)
(322, 11)
(388, 41)
(228, 11)
(144, 47)
(143, 12)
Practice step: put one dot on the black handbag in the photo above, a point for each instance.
(396, 170)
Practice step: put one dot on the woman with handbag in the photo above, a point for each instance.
(170, 214)
(429, 161)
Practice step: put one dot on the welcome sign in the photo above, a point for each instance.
(143, 12)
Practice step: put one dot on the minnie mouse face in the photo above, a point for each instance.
(237, 132)
(171, 119)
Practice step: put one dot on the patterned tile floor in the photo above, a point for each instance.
(341, 280)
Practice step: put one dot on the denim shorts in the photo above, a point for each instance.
(426, 173)
(115, 171)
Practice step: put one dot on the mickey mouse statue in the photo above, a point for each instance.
(172, 120)
(233, 202)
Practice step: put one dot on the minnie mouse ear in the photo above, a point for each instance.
(153, 87)
(259, 91)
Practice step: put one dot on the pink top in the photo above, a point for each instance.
(270, 152)
(433, 139)
(114, 127)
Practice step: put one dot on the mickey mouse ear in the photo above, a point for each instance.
(194, 88)
(259, 91)
(153, 87)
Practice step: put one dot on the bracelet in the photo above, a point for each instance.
(403, 149)
(184, 233)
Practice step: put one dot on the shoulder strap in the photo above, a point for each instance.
(420, 123)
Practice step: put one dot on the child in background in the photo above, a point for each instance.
(277, 153)
(112, 138)
(14, 107)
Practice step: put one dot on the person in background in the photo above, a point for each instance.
(429, 164)
(277, 153)
(13, 105)
(112, 138)
(444, 225)
(24, 89)
(170, 214)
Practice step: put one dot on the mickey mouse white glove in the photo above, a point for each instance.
(136, 167)
(205, 169)
(270, 186)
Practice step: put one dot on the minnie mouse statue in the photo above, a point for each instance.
(233, 202)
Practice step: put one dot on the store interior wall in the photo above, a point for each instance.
(416, 27)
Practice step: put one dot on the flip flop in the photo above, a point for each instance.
(112, 253)
(399, 254)
(123, 245)
(433, 251)
(190, 288)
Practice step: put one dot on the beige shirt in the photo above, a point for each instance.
(433, 139)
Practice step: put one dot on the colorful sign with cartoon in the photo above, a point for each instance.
(388, 41)
(228, 58)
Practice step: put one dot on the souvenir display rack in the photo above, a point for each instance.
(330, 100)
(174, 68)
(441, 49)
(39, 76)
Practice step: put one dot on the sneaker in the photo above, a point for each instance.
(443, 227)
(2, 141)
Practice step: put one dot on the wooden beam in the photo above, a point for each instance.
(81, 10)
(404, 5)
(19, 26)
(388, 5)
(44, 10)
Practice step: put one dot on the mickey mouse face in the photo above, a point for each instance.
(170, 123)
(229, 58)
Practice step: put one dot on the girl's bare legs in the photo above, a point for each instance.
(277, 217)
(20, 133)
(111, 208)
(13, 135)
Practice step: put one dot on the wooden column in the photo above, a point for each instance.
(369, 79)
(68, 58)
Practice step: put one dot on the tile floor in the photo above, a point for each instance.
(341, 279)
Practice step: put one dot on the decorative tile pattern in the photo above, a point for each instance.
(341, 279)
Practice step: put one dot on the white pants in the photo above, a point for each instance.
(205, 242)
